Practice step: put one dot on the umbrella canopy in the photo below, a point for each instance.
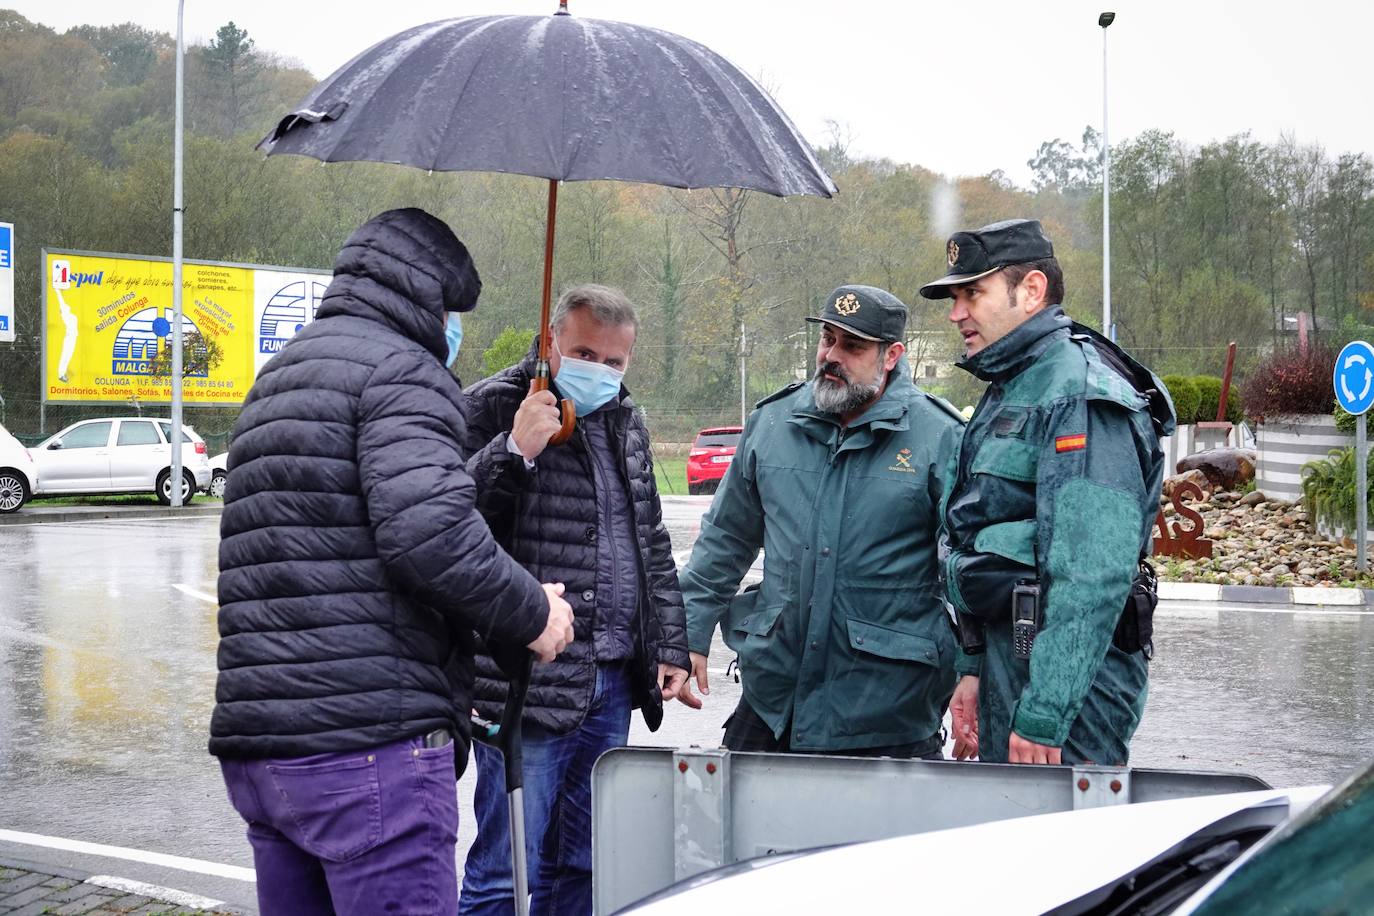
(554, 97)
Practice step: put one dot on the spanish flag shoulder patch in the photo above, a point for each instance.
(1070, 443)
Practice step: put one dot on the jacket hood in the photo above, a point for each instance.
(405, 269)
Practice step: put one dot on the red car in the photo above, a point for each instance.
(711, 454)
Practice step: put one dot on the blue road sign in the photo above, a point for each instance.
(1353, 377)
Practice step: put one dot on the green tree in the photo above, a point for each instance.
(509, 347)
(232, 65)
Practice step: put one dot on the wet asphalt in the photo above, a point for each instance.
(107, 670)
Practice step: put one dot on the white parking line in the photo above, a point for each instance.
(194, 593)
(156, 892)
(199, 866)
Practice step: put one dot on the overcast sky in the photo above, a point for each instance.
(959, 87)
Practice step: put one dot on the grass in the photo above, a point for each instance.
(672, 476)
(106, 499)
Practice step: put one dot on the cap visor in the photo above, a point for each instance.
(939, 289)
(844, 327)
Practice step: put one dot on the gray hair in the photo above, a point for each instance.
(608, 306)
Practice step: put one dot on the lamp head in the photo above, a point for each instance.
(1106, 19)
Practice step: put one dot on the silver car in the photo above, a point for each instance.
(120, 455)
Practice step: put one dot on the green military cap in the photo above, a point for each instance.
(865, 311)
(973, 255)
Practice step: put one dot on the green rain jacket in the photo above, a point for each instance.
(1057, 480)
(846, 638)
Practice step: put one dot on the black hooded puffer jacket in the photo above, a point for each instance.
(353, 563)
(547, 519)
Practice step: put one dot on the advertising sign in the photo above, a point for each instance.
(107, 324)
(6, 283)
(283, 303)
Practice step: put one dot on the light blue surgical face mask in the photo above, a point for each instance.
(587, 384)
(453, 333)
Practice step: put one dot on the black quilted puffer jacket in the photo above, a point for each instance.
(354, 566)
(545, 518)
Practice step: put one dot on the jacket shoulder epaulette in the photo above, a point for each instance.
(779, 394)
(944, 405)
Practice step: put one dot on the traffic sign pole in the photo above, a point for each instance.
(1361, 494)
(1353, 382)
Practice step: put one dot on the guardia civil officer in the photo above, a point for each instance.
(844, 647)
(1047, 522)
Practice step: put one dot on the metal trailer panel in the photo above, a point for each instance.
(661, 815)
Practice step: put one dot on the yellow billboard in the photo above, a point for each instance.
(107, 323)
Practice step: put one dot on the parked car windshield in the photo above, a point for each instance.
(91, 435)
(715, 439)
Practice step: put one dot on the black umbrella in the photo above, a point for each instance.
(555, 97)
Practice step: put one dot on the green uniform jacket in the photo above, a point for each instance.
(846, 638)
(1057, 480)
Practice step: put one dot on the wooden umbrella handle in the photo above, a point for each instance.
(569, 412)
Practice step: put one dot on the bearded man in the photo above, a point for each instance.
(844, 648)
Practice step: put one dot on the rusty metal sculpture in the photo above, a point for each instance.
(1177, 541)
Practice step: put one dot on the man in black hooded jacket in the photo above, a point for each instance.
(353, 568)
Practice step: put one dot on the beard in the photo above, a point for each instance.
(841, 397)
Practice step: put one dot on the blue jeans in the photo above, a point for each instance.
(558, 810)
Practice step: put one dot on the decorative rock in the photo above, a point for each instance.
(1279, 569)
(1197, 478)
(1253, 498)
(1226, 468)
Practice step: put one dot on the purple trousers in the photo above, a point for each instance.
(360, 832)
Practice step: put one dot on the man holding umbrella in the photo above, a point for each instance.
(844, 648)
(588, 514)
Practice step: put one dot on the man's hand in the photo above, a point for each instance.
(963, 711)
(684, 693)
(671, 678)
(1020, 750)
(558, 629)
(535, 422)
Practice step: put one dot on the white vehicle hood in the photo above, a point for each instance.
(1022, 865)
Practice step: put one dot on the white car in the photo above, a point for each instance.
(1301, 850)
(219, 475)
(18, 476)
(120, 455)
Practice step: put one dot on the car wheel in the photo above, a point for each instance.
(217, 484)
(164, 487)
(14, 491)
(693, 489)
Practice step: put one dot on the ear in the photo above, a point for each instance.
(1036, 286)
(894, 353)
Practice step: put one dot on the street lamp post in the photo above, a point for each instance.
(175, 437)
(1105, 20)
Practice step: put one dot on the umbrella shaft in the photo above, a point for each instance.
(544, 335)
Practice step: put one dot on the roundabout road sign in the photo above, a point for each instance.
(1353, 377)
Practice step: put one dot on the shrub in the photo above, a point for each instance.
(1291, 383)
(1185, 395)
(1209, 393)
(1345, 421)
(1328, 488)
